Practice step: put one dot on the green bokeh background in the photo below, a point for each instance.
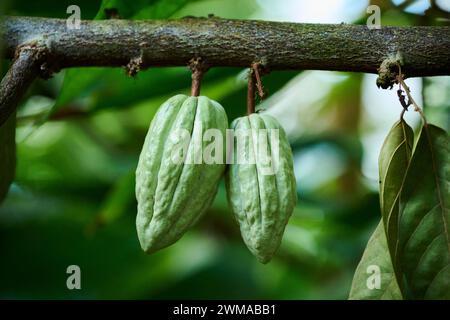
(80, 133)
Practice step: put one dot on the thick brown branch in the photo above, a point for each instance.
(236, 43)
(424, 51)
(15, 83)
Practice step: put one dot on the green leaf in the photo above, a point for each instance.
(141, 9)
(120, 198)
(97, 88)
(375, 257)
(7, 154)
(424, 218)
(394, 159)
(51, 8)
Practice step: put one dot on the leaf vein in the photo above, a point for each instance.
(423, 254)
(435, 277)
(419, 224)
(438, 186)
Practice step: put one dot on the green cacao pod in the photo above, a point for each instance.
(172, 195)
(262, 200)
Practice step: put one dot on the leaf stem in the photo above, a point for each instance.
(411, 100)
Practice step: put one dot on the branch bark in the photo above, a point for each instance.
(15, 83)
(232, 43)
(42, 46)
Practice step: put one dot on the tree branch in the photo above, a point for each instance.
(233, 43)
(15, 83)
(41, 46)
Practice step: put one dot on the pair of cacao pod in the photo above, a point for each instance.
(172, 196)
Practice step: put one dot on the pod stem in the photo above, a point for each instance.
(254, 82)
(251, 92)
(256, 67)
(196, 82)
(198, 68)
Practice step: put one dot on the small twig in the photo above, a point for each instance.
(402, 114)
(401, 98)
(19, 77)
(411, 101)
(256, 70)
(198, 68)
(251, 92)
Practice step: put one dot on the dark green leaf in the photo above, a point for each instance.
(96, 88)
(52, 8)
(118, 201)
(375, 258)
(424, 218)
(140, 9)
(394, 159)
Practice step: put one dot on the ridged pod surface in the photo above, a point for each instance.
(172, 196)
(262, 203)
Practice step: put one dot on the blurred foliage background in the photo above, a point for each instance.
(79, 135)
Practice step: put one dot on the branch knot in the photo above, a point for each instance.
(388, 71)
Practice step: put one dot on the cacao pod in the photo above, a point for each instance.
(262, 201)
(172, 195)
